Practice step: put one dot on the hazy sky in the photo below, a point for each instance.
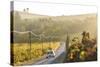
(54, 9)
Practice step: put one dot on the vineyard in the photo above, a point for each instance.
(22, 52)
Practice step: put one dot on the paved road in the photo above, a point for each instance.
(60, 54)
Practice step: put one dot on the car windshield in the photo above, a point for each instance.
(50, 52)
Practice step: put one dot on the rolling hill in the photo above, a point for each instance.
(52, 25)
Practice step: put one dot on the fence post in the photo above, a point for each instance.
(30, 42)
(67, 47)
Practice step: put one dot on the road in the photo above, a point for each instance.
(59, 56)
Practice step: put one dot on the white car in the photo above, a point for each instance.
(50, 54)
